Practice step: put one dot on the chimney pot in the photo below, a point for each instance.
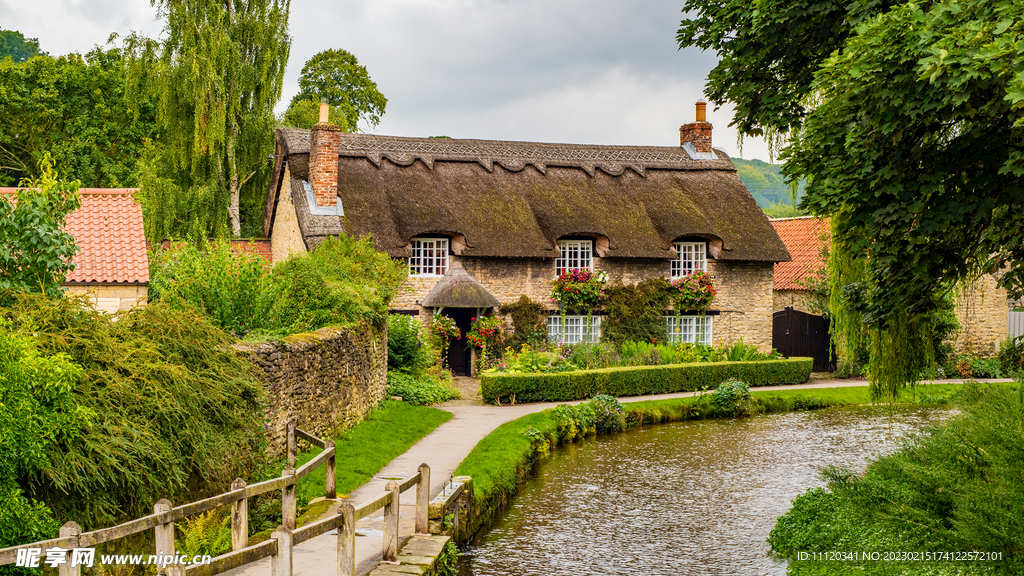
(697, 134)
(325, 112)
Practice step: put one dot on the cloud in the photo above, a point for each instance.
(585, 71)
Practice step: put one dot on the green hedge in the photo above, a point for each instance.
(639, 380)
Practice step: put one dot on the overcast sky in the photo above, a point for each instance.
(578, 71)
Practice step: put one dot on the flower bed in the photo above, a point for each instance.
(638, 380)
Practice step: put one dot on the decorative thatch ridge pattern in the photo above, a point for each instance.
(634, 200)
(457, 289)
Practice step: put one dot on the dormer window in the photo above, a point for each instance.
(692, 257)
(575, 254)
(429, 257)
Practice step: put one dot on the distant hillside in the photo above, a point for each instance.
(765, 183)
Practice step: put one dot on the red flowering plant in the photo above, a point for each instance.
(443, 330)
(579, 289)
(695, 291)
(487, 331)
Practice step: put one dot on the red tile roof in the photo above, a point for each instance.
(110, 237)
(804, 238)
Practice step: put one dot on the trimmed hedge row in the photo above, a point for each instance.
(639, 380)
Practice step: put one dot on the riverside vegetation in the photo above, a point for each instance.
(956, 486)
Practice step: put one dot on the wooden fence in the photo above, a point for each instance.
(1015, 324)
(279, 547)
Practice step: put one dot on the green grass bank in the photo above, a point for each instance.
(639, 380)
(502, 461)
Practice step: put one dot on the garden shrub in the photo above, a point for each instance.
(176, 412)
(342, 282)
(405, 347)
(528, 322)
(609, 415)
(423, 389)
(232, 290)
(573, 422)
(39, 413)
(639, 380)
(636, 311)
(731, 398)
(1011, 354)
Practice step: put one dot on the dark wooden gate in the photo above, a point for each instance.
(796, 333)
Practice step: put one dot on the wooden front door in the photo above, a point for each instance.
(459, 351)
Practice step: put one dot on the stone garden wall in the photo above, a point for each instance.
(327, 380)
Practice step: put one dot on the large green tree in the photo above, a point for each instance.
(75, 109)
(15, 46)
(217, 73)
(336, 77)
(907, 119)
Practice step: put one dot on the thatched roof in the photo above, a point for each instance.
(457, 289)
(516, 199)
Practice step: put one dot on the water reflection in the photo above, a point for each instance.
(688, 498)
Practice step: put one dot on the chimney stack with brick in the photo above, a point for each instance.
(324, 143)
(698, 133)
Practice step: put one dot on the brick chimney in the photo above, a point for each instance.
(698, 133)
(324, 145)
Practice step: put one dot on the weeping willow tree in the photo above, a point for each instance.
(216, 74)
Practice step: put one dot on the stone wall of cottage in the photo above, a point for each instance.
(744, 289)
(327, 380)
(111, 298)
(799, 299)
(982, 313)
(286, 237)
(745, 301)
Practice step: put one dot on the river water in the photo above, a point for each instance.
(694, 497)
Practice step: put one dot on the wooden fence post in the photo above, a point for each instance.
(239, 517)
(288, 500)
(423, 501)
(330, 478)
(163, 534)
(70, 530)
(347, 540)
(390, 548)
(292, 450)
(281, 563)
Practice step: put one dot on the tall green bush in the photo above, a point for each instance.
(35, 250)
(636, 311)
(405, 346)
(230, 288)
(176, 412)
(528, 322)
(343, 281)
(38, 414)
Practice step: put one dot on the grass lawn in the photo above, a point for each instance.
(362, 451)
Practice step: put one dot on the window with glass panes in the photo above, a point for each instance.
(429, 257)
(689, 329)
(692, 257)
(575, 329)
(576, 254)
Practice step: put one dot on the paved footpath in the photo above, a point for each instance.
(443, 450)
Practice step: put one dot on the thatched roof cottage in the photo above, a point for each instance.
(483, 222)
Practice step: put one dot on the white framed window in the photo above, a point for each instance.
(693, 256)
(689, 329)
(429, 257)
(575, 254)
(574, 330)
